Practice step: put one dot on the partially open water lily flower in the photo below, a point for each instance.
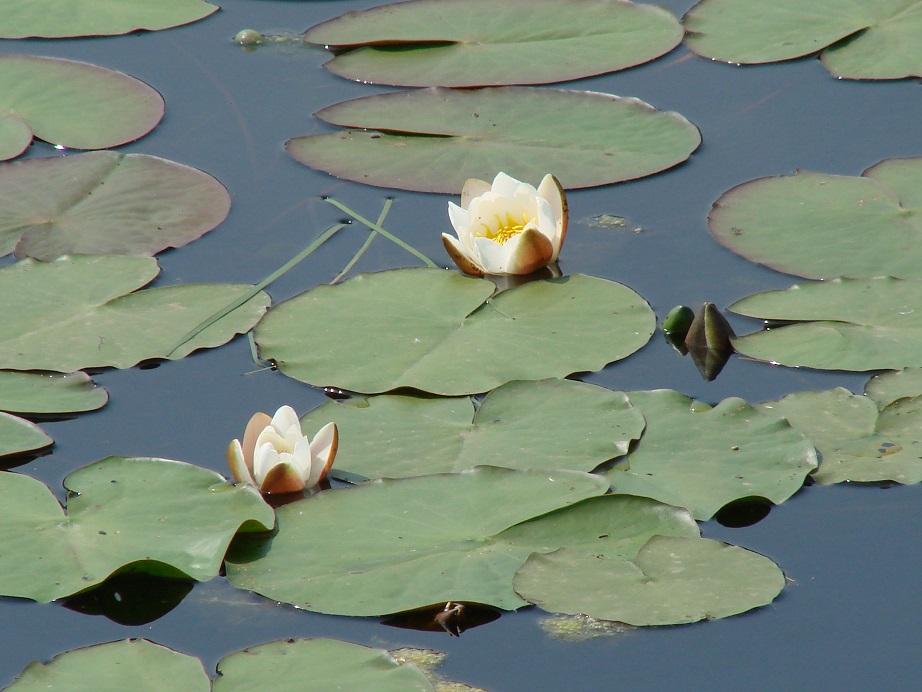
(508, 227)
(277, 457)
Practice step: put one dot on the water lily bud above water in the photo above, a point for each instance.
(508, 227)
(276, 457)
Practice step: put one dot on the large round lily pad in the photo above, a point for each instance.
(432, 140)
(492, 42)
(857, 441)
(63, 18)
(843, 324)
(158, 516)
(18, 435)
(30, 392)
(671, 581)
(105, 203)
(74, 104)
(702, 458)
(393, 545)
(130, 664)
(436, 331)
(880, 34)
(79, 312)
(823, 226)
(548, 424)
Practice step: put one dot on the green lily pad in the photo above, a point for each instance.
(857, 442)
(139, 664)
(843, 324)
(29, 392)
(317, 664)
(702, 458)
(74, 313)
(823, 226)
(105, 203)
(671, 581)
(392, 545)
(18, 435)
(491, 42)
(548, 424)
(130, 664)
(65, 18)
(436, 331)
(158, 516)
(880, 34)
(890, 386)
(432, 140)
(73, 104)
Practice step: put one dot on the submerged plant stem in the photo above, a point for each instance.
(387, 234)
(229, 308)
(371, 236)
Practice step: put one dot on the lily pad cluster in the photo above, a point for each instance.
(874, 39)
(856, 232)
(84, 311)
(862, 438)
(456, 537)
(34, 393)
(131, 663)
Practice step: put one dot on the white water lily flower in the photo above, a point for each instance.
(277, 457)
(508, 227)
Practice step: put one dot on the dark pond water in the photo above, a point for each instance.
(850, 618)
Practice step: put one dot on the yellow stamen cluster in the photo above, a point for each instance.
(505, 229)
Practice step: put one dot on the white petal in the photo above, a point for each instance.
(237, 464)
(462, 256)
(506, 185)
(323, 451)
(269, 436)
(461, 222)
(551, 190)
(264, 459)
(285, 419)
(302, 459)
(493, 256)
(473, 188)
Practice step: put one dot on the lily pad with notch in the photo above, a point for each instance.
(823, 226)
(105, 203)
(73, 104)
(440, 332)
(672, 580)
(432, 140)
(493, 42)
(159, 516)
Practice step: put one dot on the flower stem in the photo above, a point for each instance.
(227, 309)
(371, 236)
(387, 234)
